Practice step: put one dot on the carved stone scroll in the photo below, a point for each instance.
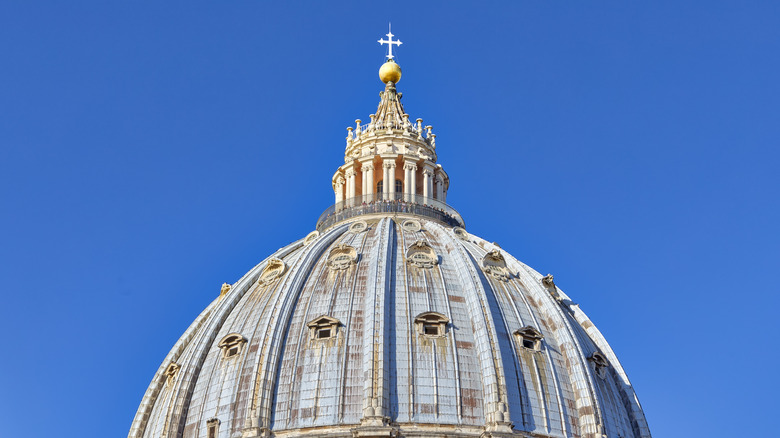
(273, 270)
(341, 257)
(494, 265)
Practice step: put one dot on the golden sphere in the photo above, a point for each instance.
(390, 72)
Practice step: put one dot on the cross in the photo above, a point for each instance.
(389, 41)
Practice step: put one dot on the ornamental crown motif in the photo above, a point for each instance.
(421, 255)
(273, 270)
(341, 257)
(493, 263)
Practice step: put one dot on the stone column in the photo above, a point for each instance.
(338, 187)
(428, 180)
(370, 176)
(367, 166)
(389, 177)
(440, 188)
(410, 169)
(351, 186)
(364, 190)
(413, 184)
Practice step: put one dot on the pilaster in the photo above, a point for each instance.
(367, 166)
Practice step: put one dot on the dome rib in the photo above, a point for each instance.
(268, 372)
(185, 342)
(494, 381)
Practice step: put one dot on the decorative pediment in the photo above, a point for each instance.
(231, 345)
(323, 327)
(274, 269)
(529, 332)
(431, 324)
(529, 337)
(421, 255)
(494, 264)
(341, 257)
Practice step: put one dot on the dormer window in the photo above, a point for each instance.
(421, 255)
(272, 271)
(231, 345)
(212, 428)
(431, 324)
(323, 327)
(600, 362)
(494, 264)
(342, 257)
(529, 337)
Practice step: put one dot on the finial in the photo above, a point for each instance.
(225, 289)
(389, 41)
(390, 71)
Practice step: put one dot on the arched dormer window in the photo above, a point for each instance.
(272, 271)
(323, 327)
(341, 257)
(431, 324)
(529, 337)
(231, 345)
(494, 264)
(421, 255)
(600, 362)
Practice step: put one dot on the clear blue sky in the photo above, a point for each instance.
(151, 152)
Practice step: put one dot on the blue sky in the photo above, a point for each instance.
(151, 152)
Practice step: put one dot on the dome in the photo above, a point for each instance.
(390, 319)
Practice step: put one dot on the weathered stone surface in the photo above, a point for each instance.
(379, 374)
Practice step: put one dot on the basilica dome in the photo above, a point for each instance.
(390, 319)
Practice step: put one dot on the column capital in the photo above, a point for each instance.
(368, 165)
(389, 164)
(351, 165)
(349, 173)
(410, 166)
